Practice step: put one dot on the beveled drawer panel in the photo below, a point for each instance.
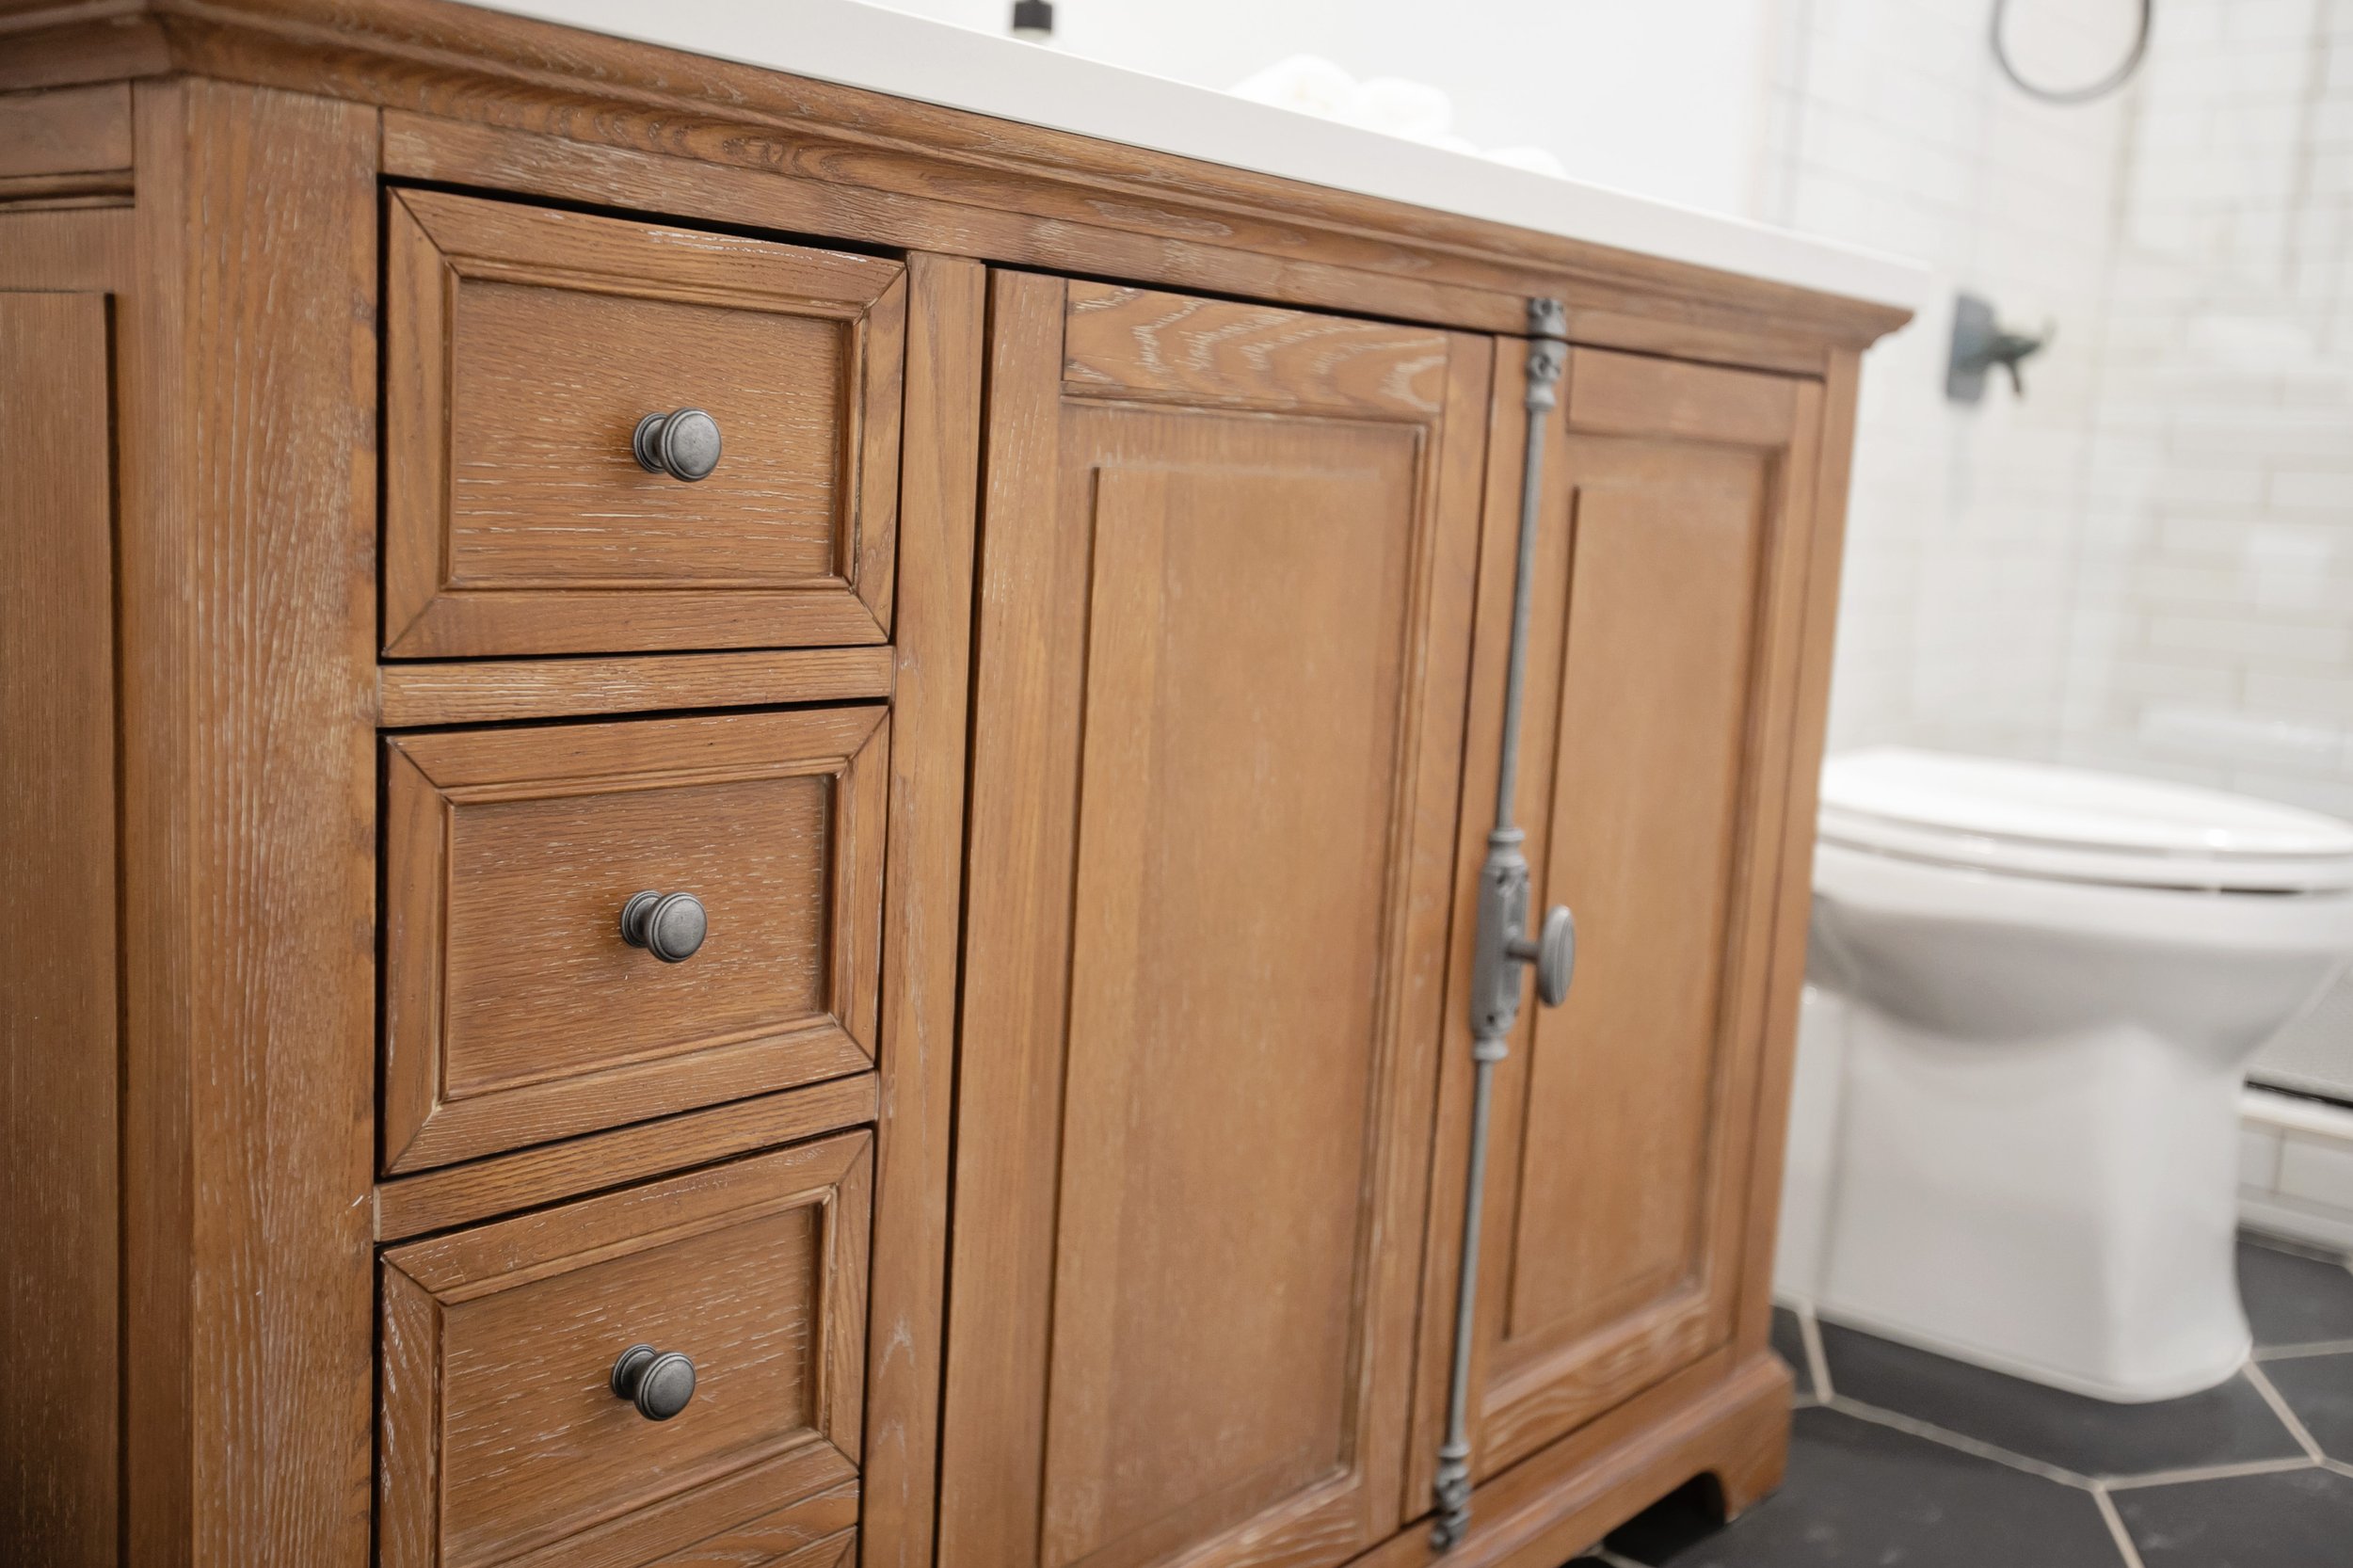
(524, 345)
(515, 1012)
(503, 1441)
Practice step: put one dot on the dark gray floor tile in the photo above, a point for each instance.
(1789, 1344)
(2294, 1300)
(2289, 1519)
(2225, 1425)
(1860, 1493)
(2319, 1388)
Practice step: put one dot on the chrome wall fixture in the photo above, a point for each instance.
(1504, 947)
(1979, 344)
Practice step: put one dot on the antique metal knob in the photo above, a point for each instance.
(1553, 952)
(668, 925)
(684, 443)
(658, 1382)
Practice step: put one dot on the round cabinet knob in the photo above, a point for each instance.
(1556, 956)
(684, 443)
(668, 925)
(658, 1382)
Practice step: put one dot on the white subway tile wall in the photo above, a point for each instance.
(2146, 565)
(2217, 545)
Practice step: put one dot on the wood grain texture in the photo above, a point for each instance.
(460, 1195)
(1625, 394)
(824, 199)
(72, 131)
(60, 1305)
(1129, 343)
(779, 1540)
(515, 1013)
(1718, 1418)
(1197, 995)
(483, 691)
(923, 905)
(990, 1457)
(1083, 206)
(523, 344)
(73, 253)
(70, 148)
(1667, 609)
(247, 588)
(501, 1438)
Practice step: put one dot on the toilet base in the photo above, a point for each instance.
(2058, 1208)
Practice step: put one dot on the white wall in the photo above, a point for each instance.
(2215, 640)
(1890, 125)
(1664, 99)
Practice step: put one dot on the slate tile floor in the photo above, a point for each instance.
(1900, 1457)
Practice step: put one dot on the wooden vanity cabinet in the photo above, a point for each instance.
(1072, 701)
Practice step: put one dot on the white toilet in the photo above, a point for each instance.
(2035, 991)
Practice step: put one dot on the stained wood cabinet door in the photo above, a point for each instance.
(1670, 569)
(1226, 572)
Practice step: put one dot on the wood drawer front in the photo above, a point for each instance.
(523, 344)
(502, 1440)
(515, 1013)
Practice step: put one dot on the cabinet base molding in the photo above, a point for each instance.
(1719, 1417)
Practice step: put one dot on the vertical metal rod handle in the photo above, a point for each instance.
(1499, 961)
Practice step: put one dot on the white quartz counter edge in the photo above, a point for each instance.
(909, 57)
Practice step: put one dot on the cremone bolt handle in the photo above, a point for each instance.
(668, 925)
(1553, 952)
(658, 1382)
(684, 443)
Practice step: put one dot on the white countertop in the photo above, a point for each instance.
(908, 56)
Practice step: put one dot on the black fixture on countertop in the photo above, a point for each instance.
(1034, 20)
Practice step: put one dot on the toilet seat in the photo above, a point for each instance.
(2069, 824)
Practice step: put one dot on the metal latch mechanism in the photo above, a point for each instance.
(1504, 949)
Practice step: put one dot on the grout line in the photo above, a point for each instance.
(1965, 1444)
(2280, 1408)
(2317, 1347)
(2205, 1472)
(1817, 1360)
(2337, 1467)
(2116, 1533)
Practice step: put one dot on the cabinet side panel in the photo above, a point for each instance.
(247, 550)
(59, 1311)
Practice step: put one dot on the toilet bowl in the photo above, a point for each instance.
(2042, 987)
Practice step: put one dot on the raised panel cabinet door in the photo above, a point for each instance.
(1661, 688)
(1227, 573)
